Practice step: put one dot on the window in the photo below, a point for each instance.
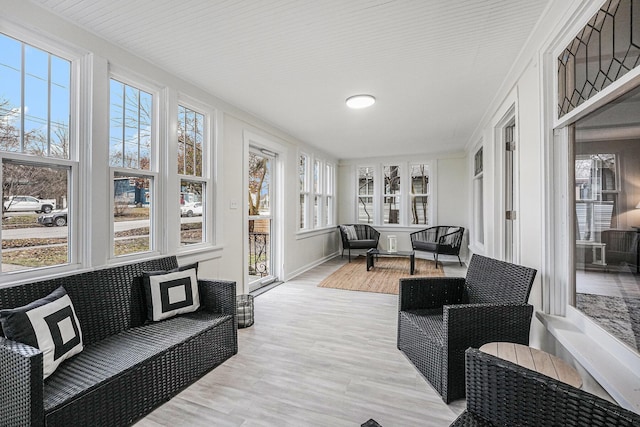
(478, 198)
(317, 190)
(391, 195)
(596, 194)
(604, 204)
(603, 52)
(401, 197)
(317, 196)
(130, 144)
(419, 194)
(365, 195)
(329, 189)
(303, 166)
(193, 178)
(36, 153)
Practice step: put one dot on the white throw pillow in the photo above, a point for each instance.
(171, 294)
(350, 231)
(49, 324)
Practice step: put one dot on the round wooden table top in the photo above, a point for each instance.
(536, 360)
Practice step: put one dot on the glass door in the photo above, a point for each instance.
(261, 202)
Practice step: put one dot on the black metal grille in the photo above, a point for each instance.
(604, 50)
(259, 254)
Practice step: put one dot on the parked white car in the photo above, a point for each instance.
(193, 209)
(29, 203)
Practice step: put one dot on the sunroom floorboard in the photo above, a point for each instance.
(314, 357)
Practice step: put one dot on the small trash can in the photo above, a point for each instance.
(244, 310)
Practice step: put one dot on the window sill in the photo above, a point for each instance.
(611, 363)
(305, 234)
(187, 255)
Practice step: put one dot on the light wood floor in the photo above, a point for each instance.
(314, 357)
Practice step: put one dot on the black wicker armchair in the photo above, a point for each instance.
(501, 393)
(366, 237)
(440, 317)
(439, 240)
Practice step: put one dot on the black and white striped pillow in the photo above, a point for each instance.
(49, 324)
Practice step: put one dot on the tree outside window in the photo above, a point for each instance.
(365, 195)
(391, 209)
(130, 139)
(35, 149)
(419, 194)
(303, 188)
(193, 181)
(130, 127)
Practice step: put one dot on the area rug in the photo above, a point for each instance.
(383, 278)
(619, 316)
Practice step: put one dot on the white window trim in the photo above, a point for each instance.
(404, 194)
(322, 193)
(303, 212)
(411, 195)
(330, 194)
(208, 167)
(158, 136)
(401, 195)
(593, 348)
(475, 245)
(78, 125)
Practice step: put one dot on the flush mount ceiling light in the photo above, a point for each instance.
(360, 101)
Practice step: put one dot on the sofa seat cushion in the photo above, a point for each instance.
(428, 322)
(425, 246)
(105, 360)
(362, 244)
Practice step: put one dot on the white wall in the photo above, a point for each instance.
(449, 194)
(530, 89)
(225, 260)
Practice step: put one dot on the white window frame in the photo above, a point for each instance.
(477, 202)
(77, 126)
(304, 220)
(376, 179)
(155, 188)
(426, 194)
(317, 195)
(329, 188)
(404, 195)
(399, 196)
(206, 179)
(320, 190)
(586, 342)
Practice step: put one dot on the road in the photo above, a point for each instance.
(61, 232)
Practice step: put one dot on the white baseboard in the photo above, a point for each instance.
(308, 267)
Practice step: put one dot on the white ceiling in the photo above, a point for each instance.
(433, 65)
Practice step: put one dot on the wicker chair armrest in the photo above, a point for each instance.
(503, 393)
(473, 325)
(218, 296)
(375, 234)
(429, 292)
(21, 393)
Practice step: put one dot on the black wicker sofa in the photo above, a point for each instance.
(129, 365)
